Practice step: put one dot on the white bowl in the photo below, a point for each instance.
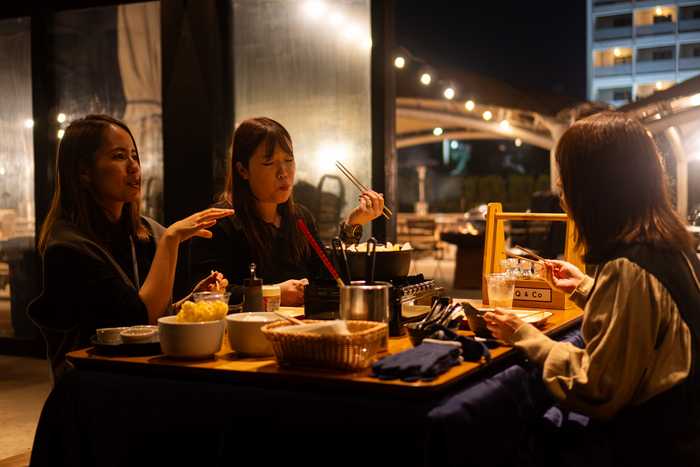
(245, 336)
(190, 341)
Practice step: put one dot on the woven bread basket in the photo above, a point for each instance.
(352, 352)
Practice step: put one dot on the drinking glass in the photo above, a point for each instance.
(501, 288)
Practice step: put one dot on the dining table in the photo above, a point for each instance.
(232, 410)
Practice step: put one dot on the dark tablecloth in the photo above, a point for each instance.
(96, 418)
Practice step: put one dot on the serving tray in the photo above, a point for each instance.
(126, 349)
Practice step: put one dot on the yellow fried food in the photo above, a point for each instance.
(191, 312)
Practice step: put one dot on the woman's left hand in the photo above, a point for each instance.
(210, 283)
(371, 206)
(502, 323)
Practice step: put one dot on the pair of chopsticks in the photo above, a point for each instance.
(528, 252)
(358, 183)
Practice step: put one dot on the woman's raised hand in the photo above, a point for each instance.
(371, 206)
(196, 224)
(213, 283)
(562, 276)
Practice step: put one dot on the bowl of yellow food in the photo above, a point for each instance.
(195, 333)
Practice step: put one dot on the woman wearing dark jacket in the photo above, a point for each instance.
(264, 228)
(104, 264)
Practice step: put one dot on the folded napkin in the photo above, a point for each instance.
(425, 361)
(473, 348)
(337, 326)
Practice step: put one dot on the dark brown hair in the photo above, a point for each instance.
(71, 201)
(248, 136)
(615, 187)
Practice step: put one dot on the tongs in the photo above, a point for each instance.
(342, 260)
(370, 260)
(446, 315)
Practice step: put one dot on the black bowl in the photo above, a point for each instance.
(388, 264)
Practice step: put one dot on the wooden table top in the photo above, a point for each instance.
(227, 366)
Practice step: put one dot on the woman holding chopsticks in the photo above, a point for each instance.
(264, 228)
(639, 372)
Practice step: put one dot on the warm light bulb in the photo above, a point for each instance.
(437, 131)
(469, 105)
(449, 93)
(616, 52)
(659, 85)
(315, 8)
(399, 62)
(61, 118)
(658, 11)
(425, 79)
(487, 115)
(60, 134)
(336, 19)
(504, 123)
(518, 142)
(29, 123)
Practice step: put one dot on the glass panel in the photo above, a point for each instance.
(17, 252)
(306, 64)
(108, 60)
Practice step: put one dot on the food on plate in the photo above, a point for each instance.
(362, 247)
(191, 312)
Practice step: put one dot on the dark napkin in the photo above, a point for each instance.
(423, 362)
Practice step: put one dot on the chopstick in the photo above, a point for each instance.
(358, 183)
(520, 257)
(530, 253)
(303, 228)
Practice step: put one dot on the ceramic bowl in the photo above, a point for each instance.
(110, 335)
(244, 333)
(190, 341)
(134, 336)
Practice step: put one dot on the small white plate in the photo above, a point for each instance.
(536, 319)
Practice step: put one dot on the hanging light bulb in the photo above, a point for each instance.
(437, 131)
(487, 115)
(29, 123)
(399, 62)
(469, 105)
(449, 93)
(658, 11)
(61, 118)
(504, 124)
(60, 134)
(616, 52)
(425, 79)
(659, 85)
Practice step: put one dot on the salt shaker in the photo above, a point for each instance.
(253, 292)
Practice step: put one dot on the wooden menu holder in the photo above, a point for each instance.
(534, 293)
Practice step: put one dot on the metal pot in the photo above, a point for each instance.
(389, 264)
(359, 301)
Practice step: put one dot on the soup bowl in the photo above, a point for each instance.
(190, 341)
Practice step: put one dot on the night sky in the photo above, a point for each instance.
(538, 43)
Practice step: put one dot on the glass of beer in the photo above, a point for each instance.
(501, 288)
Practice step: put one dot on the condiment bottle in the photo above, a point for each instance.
(525, 271)
(253, 292)
(272, 297)
(537, 271)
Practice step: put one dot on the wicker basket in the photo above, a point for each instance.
(352, 352)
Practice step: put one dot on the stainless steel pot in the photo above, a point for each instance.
(359, 301)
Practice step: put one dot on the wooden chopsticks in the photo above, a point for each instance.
(357, 183)
(530, 253)
(520, 257)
